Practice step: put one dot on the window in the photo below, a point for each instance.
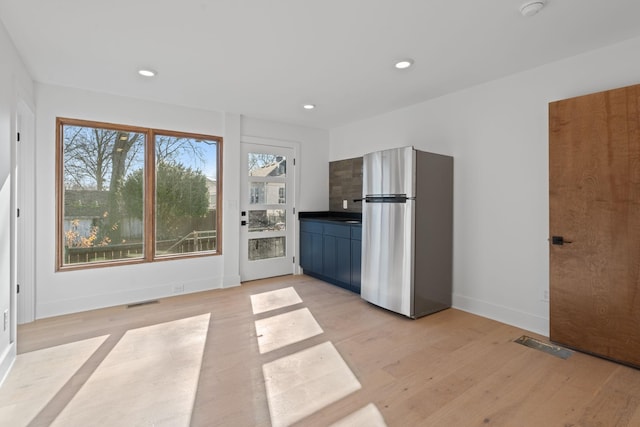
(128, 194)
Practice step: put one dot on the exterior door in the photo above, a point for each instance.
(267, 211)
(594, 223)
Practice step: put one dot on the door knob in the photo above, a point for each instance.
(559, 240)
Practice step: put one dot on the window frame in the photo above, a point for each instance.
(149, 196)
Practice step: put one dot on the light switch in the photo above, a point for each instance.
(344, 204)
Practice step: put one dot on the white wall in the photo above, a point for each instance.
(72, 291)
(15, 84)
(498, 135)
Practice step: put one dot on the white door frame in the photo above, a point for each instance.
(295, 146)
(23, 227)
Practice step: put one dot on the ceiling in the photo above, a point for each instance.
(265, 59)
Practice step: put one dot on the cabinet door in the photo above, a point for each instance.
(311, 252)
(343, 261)
(356, 260)
(317, 258)
(329, 266)
(305, 250)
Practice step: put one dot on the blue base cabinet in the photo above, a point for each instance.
(311, 246)
(329, 252)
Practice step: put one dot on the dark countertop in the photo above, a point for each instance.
(346, 217)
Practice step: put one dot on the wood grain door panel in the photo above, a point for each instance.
(594, 202)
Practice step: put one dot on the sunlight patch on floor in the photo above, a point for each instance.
(37, 376)
(284, 329)
(149, 378)
(369, 416)
(273, 300)
(304, 382)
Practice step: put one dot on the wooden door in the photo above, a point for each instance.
(594, 202)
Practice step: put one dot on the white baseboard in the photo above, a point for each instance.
(520, 319)
(231, 281)
(7, 361)
(56, 308)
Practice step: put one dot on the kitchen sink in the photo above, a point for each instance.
(345, 220)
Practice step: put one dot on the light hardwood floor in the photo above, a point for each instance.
(312, 354)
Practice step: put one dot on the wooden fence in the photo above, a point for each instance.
(196, 241)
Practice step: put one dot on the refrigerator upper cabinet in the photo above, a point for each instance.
(393, 172)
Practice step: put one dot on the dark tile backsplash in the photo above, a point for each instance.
(345, 183)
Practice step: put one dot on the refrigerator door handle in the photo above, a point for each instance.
(397, 198)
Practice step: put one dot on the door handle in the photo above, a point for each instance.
(559, 240)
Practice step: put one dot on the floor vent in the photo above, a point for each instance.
(141, 303)
(551, 349)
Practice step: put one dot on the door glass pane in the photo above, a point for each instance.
(272, 247)
(267, 165)
(267, 193)
(267, 220)
(102, 218)
(186, 188)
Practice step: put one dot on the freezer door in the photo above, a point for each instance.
(387, 255)
(389, 172)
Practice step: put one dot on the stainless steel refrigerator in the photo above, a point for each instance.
(407, 231)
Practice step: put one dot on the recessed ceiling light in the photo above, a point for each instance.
(147, 72)
(309, 106)
(531, 8)
(404, 64)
